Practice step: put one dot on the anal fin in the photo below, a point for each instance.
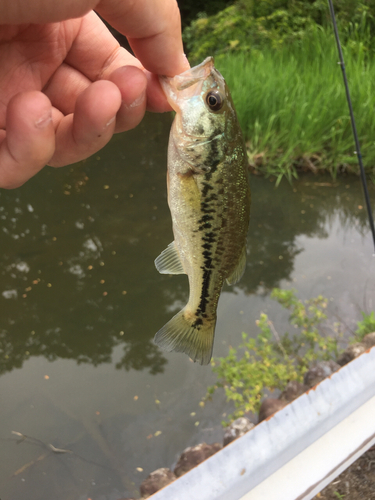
(169, 262)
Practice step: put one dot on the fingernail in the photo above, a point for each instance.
(185, 61)
(110, 121)
(136, 102)
(44, 120)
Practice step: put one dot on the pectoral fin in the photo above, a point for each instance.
(239, 270)
(169, 261)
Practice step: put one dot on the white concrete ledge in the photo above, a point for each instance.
(298, 451)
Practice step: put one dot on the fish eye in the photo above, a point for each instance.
(214, 100)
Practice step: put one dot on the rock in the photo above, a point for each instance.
(270, 406)
(319, 372)
(350, 353)
(369, 340)
(292, 391)
(237, 428)
(193, 456)
(156, 481)
(354, 350)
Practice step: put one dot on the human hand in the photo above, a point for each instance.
(65, 83)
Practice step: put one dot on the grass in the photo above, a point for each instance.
(292, 105)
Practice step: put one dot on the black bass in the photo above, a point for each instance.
(209, 200)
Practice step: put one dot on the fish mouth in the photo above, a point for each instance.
(189, 82)
(192, 75)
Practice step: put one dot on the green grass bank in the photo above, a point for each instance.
(292, 106)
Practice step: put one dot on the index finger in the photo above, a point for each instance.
(153, 29)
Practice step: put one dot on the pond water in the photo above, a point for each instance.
(80, 302)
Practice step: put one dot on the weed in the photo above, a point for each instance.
(270, 360)
(338, 495)
(367, 325)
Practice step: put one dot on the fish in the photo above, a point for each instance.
(209, 200)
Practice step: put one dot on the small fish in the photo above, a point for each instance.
(209, 200)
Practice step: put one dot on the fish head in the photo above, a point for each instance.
(203, 106)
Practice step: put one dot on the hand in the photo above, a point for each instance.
(65, 83)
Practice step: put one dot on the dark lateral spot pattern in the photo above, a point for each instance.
(206, 187)
(207, 226)
(198, 322)
(213, 157)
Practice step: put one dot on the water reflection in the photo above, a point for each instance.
(78, 245)
(280, 216)
(76, 257)
(79, 288)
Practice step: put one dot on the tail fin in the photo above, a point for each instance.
(194, 339)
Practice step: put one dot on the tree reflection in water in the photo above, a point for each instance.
(78, 245)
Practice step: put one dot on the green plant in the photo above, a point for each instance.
(367, 325)
(279, 59)
(338, 495)
(292, 106)
(248, 24)
(309, 344)
(269, 361)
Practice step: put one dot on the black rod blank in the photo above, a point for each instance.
(354, 128)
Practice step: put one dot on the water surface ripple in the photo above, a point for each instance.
(80, 302)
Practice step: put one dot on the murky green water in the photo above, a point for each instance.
(80, 301)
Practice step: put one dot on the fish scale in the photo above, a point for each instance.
(209, 199)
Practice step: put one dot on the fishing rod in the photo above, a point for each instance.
(354, 128)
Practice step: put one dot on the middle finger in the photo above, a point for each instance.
(63, 88)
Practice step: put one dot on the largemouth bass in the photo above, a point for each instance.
(209, 200)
